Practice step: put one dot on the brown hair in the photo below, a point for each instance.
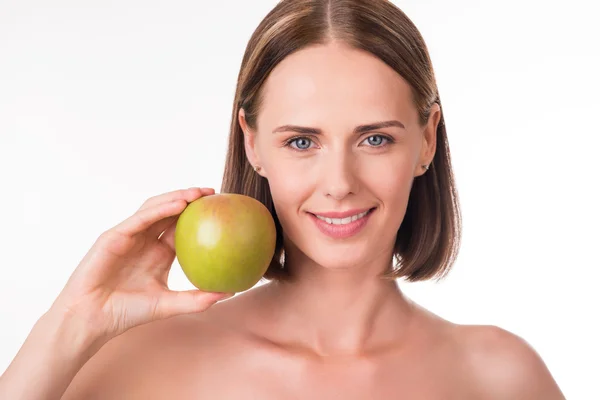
(429, 236)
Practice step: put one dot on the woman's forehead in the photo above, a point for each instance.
(337, 81)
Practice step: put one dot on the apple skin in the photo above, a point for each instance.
(225, 242)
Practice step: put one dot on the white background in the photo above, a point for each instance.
(103, 104)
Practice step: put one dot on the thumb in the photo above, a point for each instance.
(188, 301)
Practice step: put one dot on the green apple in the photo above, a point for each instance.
(225, 242)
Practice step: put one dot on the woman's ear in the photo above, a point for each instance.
(249, 142)
(429, 143)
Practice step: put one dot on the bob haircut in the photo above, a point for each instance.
(429, 236)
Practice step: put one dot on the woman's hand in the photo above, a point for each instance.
(122, 281)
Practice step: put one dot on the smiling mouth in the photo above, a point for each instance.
(342, 228)
(346, 220)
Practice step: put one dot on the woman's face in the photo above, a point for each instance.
(320, 164)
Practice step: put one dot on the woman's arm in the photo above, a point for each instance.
(56, 349)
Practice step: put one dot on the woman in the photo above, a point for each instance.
(337, 127)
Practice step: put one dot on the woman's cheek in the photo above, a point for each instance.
(290, 183)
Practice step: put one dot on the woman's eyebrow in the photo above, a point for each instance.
(359, 129)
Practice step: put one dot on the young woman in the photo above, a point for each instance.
(337, 127)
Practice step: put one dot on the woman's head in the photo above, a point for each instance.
(315, 77)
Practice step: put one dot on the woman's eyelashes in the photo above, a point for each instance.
(304, 143)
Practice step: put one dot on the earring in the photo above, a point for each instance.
(256, 168)
(426, 167)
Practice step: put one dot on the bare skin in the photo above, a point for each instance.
(237, 350)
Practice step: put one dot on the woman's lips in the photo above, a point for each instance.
(342, 231)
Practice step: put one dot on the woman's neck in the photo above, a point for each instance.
(344, 312)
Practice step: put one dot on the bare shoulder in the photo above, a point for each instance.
(503, 365)
(162, 358)
(125, 365)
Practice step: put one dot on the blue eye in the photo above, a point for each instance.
(302, 143)
(377, 140)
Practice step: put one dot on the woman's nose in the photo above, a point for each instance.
(338, 175)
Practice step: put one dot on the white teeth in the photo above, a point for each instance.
(342, 221)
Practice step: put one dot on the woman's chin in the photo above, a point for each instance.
(339, 256)
(339, 262)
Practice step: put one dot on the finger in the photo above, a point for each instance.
(168, 236)
(188, 195)
(144, 219)
(188, 301)
(156, 230)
